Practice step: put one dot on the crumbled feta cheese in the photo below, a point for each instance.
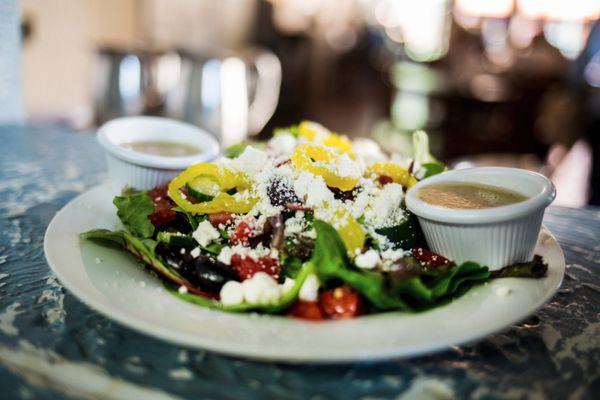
(232, 293)
(385, 203)
(251, 161)
(312, 190)
(98, 260)
(283, 143)
(205, 233)
(261, 289)
(346, 167)
(368, 150)
(390, 258)
(367, 260)
(182, 290)
(225, 255)
(310, 288)
(195, 252)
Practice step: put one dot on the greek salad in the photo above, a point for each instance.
(308, 224)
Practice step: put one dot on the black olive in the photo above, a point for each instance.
(174, 256)
(272, 233)
(281, 192)
(341, 194)
(208, 274)
(203, 272)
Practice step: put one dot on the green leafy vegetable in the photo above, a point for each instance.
(292, 130)
(415, 290)
(281, 304)
(193, 220)
(405, 234)
(214, 248)
(290, 266)
(133, 210)
(176, 239)
(330, 261)
(141, 248)
(235, 150)
(533, 269)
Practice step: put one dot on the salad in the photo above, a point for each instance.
(309, 224)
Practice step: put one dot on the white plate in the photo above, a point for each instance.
(112, 282)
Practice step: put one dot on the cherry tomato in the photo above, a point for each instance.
(219, 218)
(246, 267)
(431, 259)
(341, 303)
(310, 310)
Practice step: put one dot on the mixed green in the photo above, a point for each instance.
(308, 224)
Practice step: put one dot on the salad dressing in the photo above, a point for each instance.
(469, 196)
(162, 148)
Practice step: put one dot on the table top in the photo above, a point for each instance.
(52, 346)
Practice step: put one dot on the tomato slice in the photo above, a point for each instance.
(163, 213)
(219, 218)
(310, 310)
(241, 234)
(246, 267)
(341, 303)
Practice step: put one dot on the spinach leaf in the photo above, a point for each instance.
(431, 287)
(214, 248)
(133, 210)
(331, 262)
(143, 249)
(193, 220)
(533, 269)
(280, 305)
(290, 266)
(416, 290)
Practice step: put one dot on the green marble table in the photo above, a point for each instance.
(52, 346)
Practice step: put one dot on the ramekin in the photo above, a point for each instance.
(495, 237)
(127, 168)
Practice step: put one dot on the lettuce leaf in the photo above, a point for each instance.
(418, 290)
(133, 209)
(142, 248)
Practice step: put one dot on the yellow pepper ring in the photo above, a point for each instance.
(222, 202)
(307, 157)
(394, 171)
(350, 231)
(309, 130)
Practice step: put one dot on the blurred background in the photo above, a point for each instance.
(493, 82)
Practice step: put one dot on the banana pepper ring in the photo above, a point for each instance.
(315, 159)
(394, 171)
(222, 202)
(319, 134)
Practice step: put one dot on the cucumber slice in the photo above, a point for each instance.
(203, 188)
(175, 239)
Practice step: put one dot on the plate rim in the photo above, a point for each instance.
(173, 337)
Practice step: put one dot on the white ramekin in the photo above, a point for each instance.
(145, 171)
(495, 237)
